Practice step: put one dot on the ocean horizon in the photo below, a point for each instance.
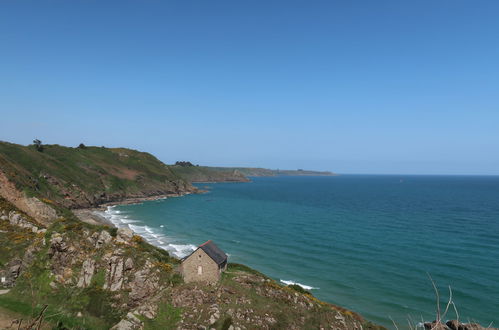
(364, 242)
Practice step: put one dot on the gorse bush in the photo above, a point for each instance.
(298, 288)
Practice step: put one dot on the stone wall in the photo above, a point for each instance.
(208, 272)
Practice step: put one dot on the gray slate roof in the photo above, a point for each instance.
(214, 252)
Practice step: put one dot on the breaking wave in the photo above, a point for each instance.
(154, 236)
(306, 287)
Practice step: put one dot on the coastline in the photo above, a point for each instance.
(104, 215)
(94, 215)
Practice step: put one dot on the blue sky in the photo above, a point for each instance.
(347, 86)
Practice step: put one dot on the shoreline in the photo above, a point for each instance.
(92, 215)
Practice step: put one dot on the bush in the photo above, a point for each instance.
(227, 323)
(176, 279)
(113, 231)
(298, 289)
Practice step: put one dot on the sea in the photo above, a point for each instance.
(369, 243)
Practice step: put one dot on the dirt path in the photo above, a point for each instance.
(6, 318)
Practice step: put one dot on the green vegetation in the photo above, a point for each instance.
(256, 171)
(98, 308)
(208, 174)
(232, 174)
(233, 267)
(298, 288)
(167, 318)
(86, 176)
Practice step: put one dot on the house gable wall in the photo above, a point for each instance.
(210, 272)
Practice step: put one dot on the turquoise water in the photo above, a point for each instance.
(363, 242)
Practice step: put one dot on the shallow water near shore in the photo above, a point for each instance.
(362, 242)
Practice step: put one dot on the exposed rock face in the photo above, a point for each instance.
(144, 284)
(114, 275)
(30, 205)
(130, 322)
(17, 219)
(63, 257)
(13, 269)
(103, 239)
(87, 271)
(124, 235)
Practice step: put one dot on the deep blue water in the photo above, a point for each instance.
(365, 242)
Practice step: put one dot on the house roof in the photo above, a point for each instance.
(214, 252)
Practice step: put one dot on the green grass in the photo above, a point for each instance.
(207, 174)
(57, 317)
(166, 318)
(91, 171)
(13, 241)
(235, 267)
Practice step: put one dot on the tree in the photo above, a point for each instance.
(38, 145)
(183, 164)
(82, 146)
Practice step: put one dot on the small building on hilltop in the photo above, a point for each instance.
(205, 264)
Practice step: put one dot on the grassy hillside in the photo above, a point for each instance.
(89, 176)
(83, 177)
(209, 174)
(235, 174)
(255, 171)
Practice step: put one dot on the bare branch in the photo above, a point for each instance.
(455, 310)
(448, 303)
(437, 297)
(394, 324)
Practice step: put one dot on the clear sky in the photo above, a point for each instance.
(348, 86)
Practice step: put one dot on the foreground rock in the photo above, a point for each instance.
(454, 325)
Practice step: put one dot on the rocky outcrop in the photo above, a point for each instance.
(87, 272)
(454, 325)
(11, 273)
(32, 206)
(115, 273)
(145, 284)
(130, 322)
(63, 256)
(124, 235)
(17, 219)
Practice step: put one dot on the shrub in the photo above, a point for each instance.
(227, 323)
(299, 289)
(164, 267)
(113, 231)
(137, 239)
(176, 279)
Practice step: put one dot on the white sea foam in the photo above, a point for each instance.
(152, 235)
(129, 221)
(306, 287)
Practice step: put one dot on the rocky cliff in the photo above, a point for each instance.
(82, 177)
(96, 277)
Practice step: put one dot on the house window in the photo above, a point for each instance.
(200, 270)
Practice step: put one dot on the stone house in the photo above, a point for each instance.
(205, 264)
